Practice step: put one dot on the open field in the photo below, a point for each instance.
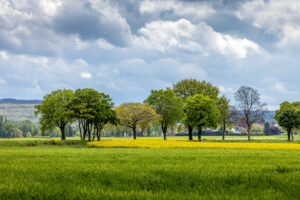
(69, 170)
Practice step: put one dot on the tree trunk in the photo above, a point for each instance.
(292, 136)
(89, 132)
(94, 135)
(289, 134)
(164, 129)
(190, 132)
(223, 131)
(98, 134)
(199, 133)
(248, 131)
(134, 132)
(80, 131)
(63, 136)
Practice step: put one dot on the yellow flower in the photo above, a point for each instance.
(184, 143)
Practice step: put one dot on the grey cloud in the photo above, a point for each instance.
(81, 18)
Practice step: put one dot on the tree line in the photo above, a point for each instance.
(194, 103)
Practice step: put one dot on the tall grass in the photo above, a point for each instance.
(61, 172)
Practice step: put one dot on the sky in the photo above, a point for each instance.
(127, 48)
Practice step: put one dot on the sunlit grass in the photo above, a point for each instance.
(60, 172)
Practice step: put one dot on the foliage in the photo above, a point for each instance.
(53, 111)
(201, 112)
(168, 106)
(228, 114)
(252, 109)
(26, 126)
(288, 116)
(92, 110)
(190, 87)
(104, 114)
(133, 115)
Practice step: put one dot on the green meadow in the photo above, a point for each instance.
(73, 171)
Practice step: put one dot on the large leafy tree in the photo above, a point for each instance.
(252, 109)
(104, 114)
(54, 112)
(168, 106)
(228, 114)
(190, 87)
(201, 112)
(133, 115)
(288, 116)
(92, 110)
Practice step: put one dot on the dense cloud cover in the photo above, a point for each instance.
(126, 48)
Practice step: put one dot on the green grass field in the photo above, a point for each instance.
(74, 171)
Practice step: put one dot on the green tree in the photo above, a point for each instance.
(26, 126)
(54, 112)
(168, 106)
(201, 111)
(228, 114)
(190, 87)
(132, 115)
(11, 130)
(104, 114)
(252, 109)
(84, 107)
(36, 131)
(288, 116)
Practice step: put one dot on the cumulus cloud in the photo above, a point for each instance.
(93, 20)
(126, 48)
(183, 35)
(198, 10)
(279, 17)
(86, 75)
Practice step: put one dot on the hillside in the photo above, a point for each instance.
(18, 101)
(17, 112)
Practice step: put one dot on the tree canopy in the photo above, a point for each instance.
(92, 110)
(201, 112)
(168, 106)
(53, 111)
(228, 114)
(132, 115)
(288, 116)
(190, 87)
(248, 101)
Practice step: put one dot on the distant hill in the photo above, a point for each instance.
(18, 109)
(269, 116)
(19, 101)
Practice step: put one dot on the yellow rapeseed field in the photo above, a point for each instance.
(182, 143)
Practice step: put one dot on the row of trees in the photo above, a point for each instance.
(90, 108)
(194, 103)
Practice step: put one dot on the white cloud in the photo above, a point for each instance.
(86, 75)
(198, 38)
(279, 17)
(224, 89)
(198, 10)
(3, 55)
